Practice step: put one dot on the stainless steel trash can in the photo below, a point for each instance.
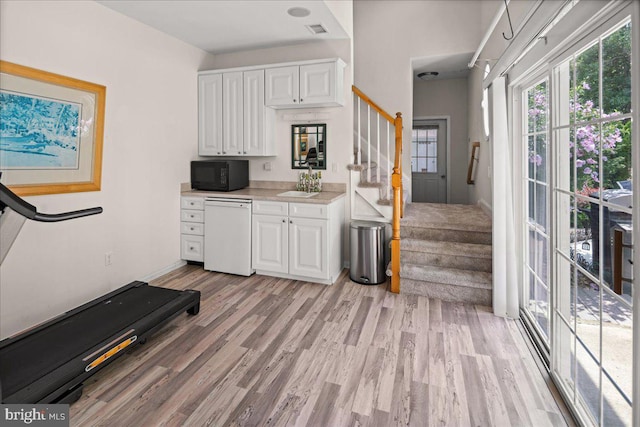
(367, 252)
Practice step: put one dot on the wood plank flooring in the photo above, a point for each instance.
(274, 352)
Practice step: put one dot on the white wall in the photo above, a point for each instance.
(448, 98)
(480, 193)
(389, 34)
(150, 137)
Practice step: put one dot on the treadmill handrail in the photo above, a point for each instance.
(9, 199)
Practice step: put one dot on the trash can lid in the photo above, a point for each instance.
(372, 225)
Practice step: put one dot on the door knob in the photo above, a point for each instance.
(442, 176)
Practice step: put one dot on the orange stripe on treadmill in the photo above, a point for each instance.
(124, 344)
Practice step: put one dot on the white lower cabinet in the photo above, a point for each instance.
(270, 246)
(192, 229)
(298, 240)
(308, 254)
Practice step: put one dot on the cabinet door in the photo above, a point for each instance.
(232, 127)
(308, 253)
(282, 86)
(270, 243)
(210, 115)
(317, 83)
(254, 114)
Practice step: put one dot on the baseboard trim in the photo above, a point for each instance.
(162, 272)
(486, 207)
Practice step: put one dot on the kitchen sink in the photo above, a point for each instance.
(301, 194)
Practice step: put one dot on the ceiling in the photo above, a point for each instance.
(448, 66)
(232, 25)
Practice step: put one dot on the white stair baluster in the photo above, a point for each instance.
(358, 156)
(388, 165)
(378, 158)
(368, 143)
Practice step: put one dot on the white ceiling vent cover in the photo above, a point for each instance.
(317, 29)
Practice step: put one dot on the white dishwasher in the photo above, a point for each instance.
(227, 235)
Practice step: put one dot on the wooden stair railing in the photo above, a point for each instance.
(396, 180)
(472, 161)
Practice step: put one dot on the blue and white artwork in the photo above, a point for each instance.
(38, 133)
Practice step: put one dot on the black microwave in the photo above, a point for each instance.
(219, 175)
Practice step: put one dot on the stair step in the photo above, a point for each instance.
(361, 166)
(370, 184)
(465, 256)
(473, 250)
(447, 276)
(445, 234)
(443, 216)
(454, 293)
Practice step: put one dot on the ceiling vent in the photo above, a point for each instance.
(317, 29)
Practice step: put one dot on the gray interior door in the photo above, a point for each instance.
(429, 161)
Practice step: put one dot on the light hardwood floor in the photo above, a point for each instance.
(265, 351)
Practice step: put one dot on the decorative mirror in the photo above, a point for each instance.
(308, 146)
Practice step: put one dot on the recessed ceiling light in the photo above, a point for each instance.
(427, 75)
(317, 29)
(299, 12)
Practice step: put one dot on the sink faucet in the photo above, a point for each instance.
(308, 183)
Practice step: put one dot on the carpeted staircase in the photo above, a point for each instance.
(445, 252)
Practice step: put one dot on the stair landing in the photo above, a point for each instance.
(445, 252)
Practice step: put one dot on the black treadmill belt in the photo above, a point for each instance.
(40, 353)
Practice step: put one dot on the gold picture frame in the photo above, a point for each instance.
(51, 131)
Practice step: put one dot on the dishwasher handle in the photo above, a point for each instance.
(228, 204)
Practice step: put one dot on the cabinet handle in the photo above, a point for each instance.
(191, 229)
(190, 248)
(218, 152)
(290, 222)
(245, 152)
(301, 99)
(294, 100)
(284, 220)
(239, 152)
(224, 152)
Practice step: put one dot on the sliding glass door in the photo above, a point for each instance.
(593, 336)
(578, 249)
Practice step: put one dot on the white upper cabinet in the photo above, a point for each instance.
(232, 114)
(258, 120)
(232, 117)
(236, 107)
(210, 115)
(319, 84)
(283, 86)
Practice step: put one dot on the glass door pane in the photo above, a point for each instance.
(592, 248)
(536, 186)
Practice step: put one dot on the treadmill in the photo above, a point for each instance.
(49, 363)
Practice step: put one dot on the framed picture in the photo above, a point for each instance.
(51, 131)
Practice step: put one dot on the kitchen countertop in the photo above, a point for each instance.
(323, 198)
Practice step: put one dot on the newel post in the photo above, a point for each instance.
(396, 183)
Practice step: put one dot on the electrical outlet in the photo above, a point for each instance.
(107, 259)
(267, 166)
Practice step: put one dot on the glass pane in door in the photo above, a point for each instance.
(536, 186)
(592, 245)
